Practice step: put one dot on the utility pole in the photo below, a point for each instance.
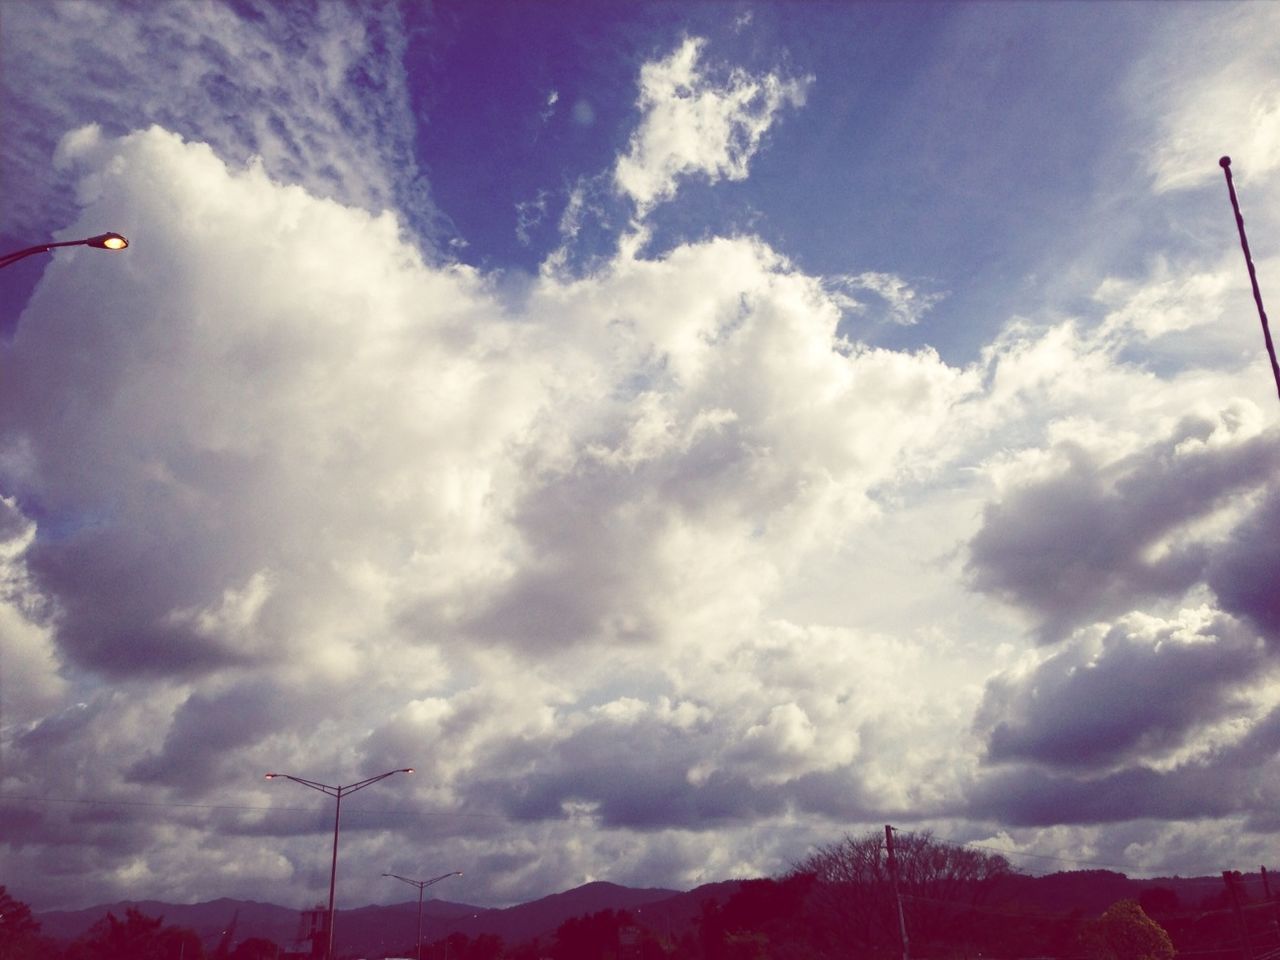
(1225, 164)
(1232, 879)
(893, 879)
(1275, 909)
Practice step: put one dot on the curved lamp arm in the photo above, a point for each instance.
(103, 241)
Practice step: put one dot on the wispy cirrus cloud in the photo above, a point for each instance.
(902, 303)
(318, 96)
(1230, 106)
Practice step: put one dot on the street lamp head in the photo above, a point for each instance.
(271, 776)
(406, 770)
(108, 241)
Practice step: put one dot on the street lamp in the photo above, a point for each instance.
(337, 793)
(103, 241)
(422, 885)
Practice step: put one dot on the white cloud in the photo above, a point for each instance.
(329, 472)
(29, 680)
(903, 304)
(1209, 86)
(549, 106)
(693, 125)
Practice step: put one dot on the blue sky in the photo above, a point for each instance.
(948, 143)
(685, 433)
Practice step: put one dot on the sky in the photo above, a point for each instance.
(685, 433)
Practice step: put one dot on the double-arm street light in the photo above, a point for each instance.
(422, 885)
(337, 793)
(103, 241)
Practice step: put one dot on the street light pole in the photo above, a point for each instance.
(103, 241)
(337, 793)
(422, 885)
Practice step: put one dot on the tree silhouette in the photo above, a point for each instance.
(256, 948)
(852, 901)
(590, 937)
(763, 918)
(137, 937)
(19, 930)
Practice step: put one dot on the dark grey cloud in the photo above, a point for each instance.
(634, 775)
(205, 729)
(642, 796)
(1030, 797)
(1235, 779)
(98, 831)
(587, 577)
(1075, 547)
(1138, 692)
(116, 591)
(840, 795)
(599, 536)
(1245, 572)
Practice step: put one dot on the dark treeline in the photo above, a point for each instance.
(840, 902)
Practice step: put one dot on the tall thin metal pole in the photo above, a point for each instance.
(421, 889)
(333, 870)
(422, 885)
(893, 877)
(1225, 163)
(337, 792)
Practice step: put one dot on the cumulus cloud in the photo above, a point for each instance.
(1242, 572)
(280, 473)
(199, 387)
(1085, 536)
(693, 124)
(734, 434)
(205, 729)
(29, 680)
(1230, 780)
(1136, 690)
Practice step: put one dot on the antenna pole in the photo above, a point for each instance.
(1225, 164)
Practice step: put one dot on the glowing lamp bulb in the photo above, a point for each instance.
(107, 241)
